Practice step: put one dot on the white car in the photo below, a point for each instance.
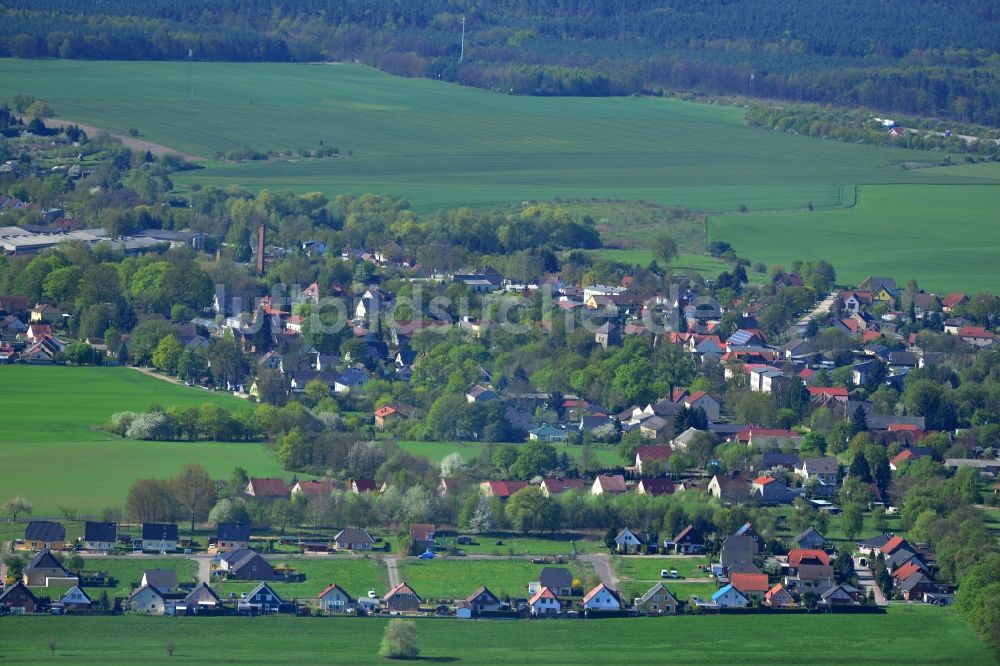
(372, 595)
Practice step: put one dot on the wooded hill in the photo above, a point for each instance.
(929, 57)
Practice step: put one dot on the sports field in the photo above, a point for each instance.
(441, 146)
(52, 437)
(932, 636)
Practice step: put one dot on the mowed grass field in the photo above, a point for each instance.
(436, 451)
(58, 455)
(903, 636)
(457, 578)
(357, 575)
(945, 236)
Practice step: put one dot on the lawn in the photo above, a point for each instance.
(127, 571)
(357, 575)
(943, 236)
(457, 578)
(648, 569)
(904, 636)
(517, 544)
(52, 436)
(435, 451)
(992, 519)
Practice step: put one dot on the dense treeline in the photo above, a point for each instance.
(940, 59)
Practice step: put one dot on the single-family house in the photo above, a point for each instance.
(689, 541)
(894, 544)
(557, 579)
(825, 468)
(548, 433)
(705, 402)
(354, 538)
(873, 545)
(810, 578)
(751, 584)
(654, 427)
(334, 599)
(655, 487)
(778, 597)
(799, 556)
(230, 536)
(977, 336)
(738, 553)
(350, 379)
(268, 488)
(480, 393)
(657, 601)
(100, 536)
(422, 535)
(768, 490)
(402, 599)
(159, 537)
(644, 455)
(810, 538)
(838, 595)
(501, 489)
(76, 599)
(44, 567)
(550, 487)
(147, 600)
(313, 488)
(730, 597)
(358, 486)
(19, 598)
(44, 535)
(628, 542)
(164, 580)
(246, 564)
(602, 598)
(482, 601)
(916, 586)
(202, 597)
(544, 603)
(611, 484)
(729, 489)
(262, 600)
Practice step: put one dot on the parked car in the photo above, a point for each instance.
(426, 555)
(372, 594)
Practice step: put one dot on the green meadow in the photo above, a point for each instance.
(436, 451)
(908, 636)
(457, 578)
(944, 236)
(356, 575)
(443, 146)
(52, 436)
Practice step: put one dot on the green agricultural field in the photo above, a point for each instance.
(436, 451)
(457, 578)
(357, 575)
(52, 436)
(444, 145)
(933, 636)
(944, 236)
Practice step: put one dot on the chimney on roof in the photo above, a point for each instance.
(260, 249)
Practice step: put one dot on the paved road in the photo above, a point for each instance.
(868, 583)
(822, 308)
(602, 567)
(204, 568)
(391, 565)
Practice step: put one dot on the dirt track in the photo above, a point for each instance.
(128, 141)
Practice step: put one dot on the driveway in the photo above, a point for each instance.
(867, 582)
(602, 567)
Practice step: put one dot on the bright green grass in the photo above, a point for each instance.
(992, 519)
(648, 568)
(921, 635)
(52, 436)
(945, 237)
(127, 571)
(436, 451)
(444, 145)
(457, 578)
(516, 544)
(632, 590)
(355, 574)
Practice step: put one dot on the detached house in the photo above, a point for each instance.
(335, 599)
(644, 455)
(627, 542)
(826, 469)
(544, 603)
(778, 597)
(602, 598)
(557, 579)
(262, 600)
(100, 536)
(729, 489)
(268, 488)
(159, 537)
(230, 536)
(482, 601)
(657, 601)
(147, 600)
(246, 564)
(19, 598)
(730, 597)
(76, 599)
(688, 541)
(43, 568)
(354, 538)
(44, 535)
(402, 599)
(612, 484)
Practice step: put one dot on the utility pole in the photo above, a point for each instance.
(461, 54)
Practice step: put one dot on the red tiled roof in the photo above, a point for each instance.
(763, 480)
(828, 390)
(611, 483)
(316, 488)
(656, 487)
(777, 589)
(557, 486)
(544, 593)
(422, 531)
(953, 299)
(385, 411)
(363, 485)
(797, 555)
(506, 488)
(892, 545)
(975, 332)
(654, 452)
(600, 586)
(750, 582)
(268, 487)
(905, 571)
